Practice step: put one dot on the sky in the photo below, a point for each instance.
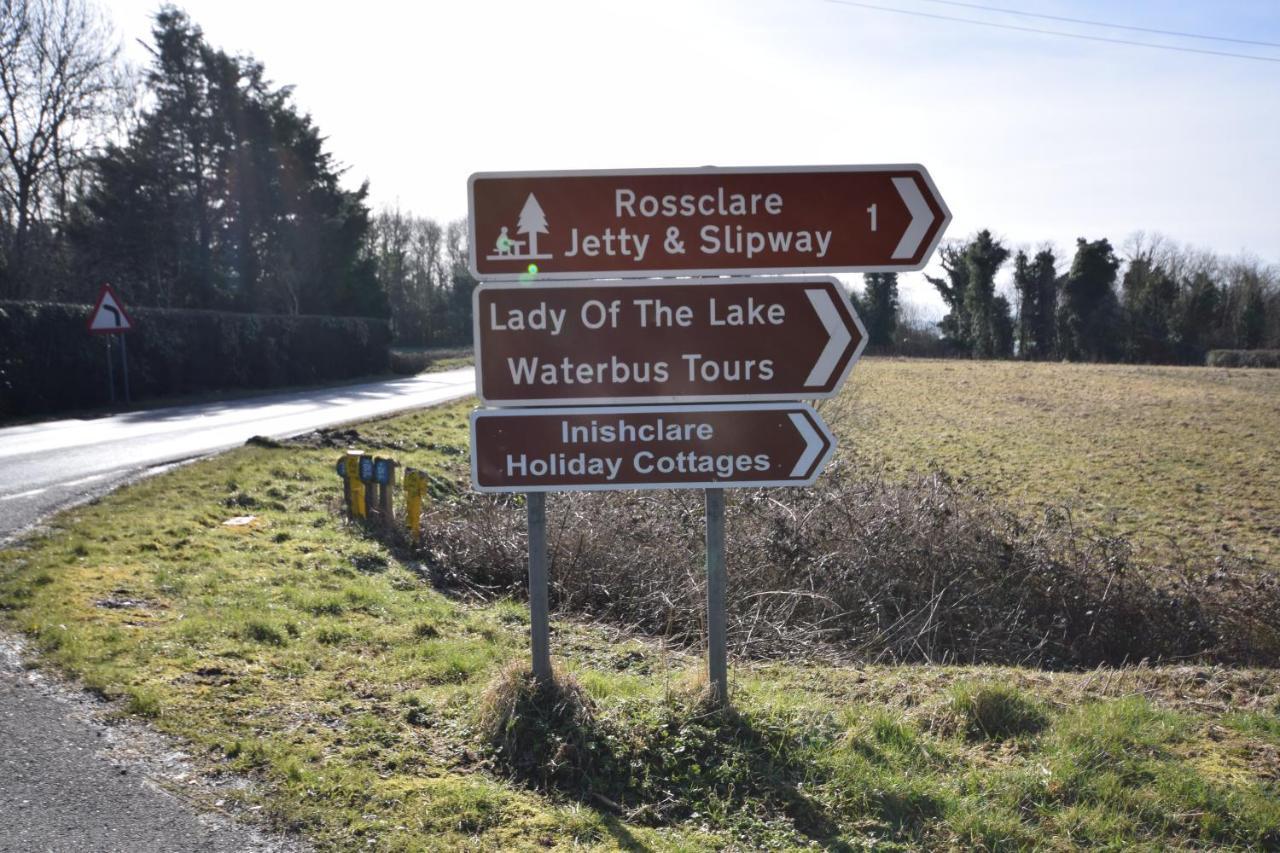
(1040, 138)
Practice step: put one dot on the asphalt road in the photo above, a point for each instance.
(68, 781)
(51, 465)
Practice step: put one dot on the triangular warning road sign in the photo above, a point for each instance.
(109, 318)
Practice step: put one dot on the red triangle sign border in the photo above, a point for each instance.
(123, 322)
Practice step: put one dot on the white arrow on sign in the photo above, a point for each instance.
(837, 336)
(813, 444)
(921, 217)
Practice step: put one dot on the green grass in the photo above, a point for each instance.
(304, 652)
(996, 711)
(1182, 459)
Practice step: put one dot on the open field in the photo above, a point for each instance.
(315, 657)
(1179, 458)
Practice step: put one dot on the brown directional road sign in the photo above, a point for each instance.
(672, 222)
(647, 447)
(661, 342)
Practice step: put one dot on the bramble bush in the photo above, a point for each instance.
(864, 569)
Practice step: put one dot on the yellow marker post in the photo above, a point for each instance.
(357, 487)
(413, 501)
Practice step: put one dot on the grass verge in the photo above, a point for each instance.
(319, 660)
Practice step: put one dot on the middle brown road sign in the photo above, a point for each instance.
(647, 447)
(662, 342)
(708, 221)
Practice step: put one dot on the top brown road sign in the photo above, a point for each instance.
(672, 222)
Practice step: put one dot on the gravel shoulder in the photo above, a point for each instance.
(71, 779)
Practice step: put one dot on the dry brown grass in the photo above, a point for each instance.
(1182, 460)
(922, 571)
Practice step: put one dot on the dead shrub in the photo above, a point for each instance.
(922, 571)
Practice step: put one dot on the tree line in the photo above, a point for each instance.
(197, 183)
(1157, 303)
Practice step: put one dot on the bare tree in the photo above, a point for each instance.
(58, 81)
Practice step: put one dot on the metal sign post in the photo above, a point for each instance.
(124, 366)
(717, 642)
(539, 606)
(111, 374)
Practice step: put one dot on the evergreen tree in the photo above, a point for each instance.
(1150, 295)
(1044, 271)
(856, 301)
(880, 308)
(1028, 304)
(1002, 328)
(984, 257)
(954, 326)
(224, 196)
(1036, 282)
(1089, 309)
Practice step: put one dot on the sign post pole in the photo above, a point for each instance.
(111, 373)
(539, 617)
(124, 362)
(717, 653)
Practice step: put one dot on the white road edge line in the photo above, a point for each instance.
(22, 494)
(82, 480)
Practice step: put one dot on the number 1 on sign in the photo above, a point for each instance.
(872, 211)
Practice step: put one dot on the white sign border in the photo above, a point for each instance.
(706, 271)
(797, 282)
(818, 467)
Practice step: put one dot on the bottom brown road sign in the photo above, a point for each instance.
(648, 447)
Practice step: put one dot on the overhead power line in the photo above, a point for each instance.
(1106, 24)
(1054, 32)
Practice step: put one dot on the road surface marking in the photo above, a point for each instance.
(22, 495)
(88, 479)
